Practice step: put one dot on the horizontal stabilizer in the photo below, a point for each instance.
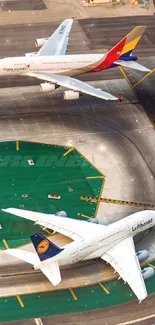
(132, 65)
(44, 247)
(52, 272)
(28, 257)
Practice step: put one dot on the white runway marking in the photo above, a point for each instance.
(137, 320)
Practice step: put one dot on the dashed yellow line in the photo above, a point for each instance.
(149, 264)
(112, 201)
(20, 301)
(94, 177)
(104, 288)
(125, 76)
(83, 215)
(143, 78)
(68, 151)
(98, 203)
(17, 145)
(73, 294)
(5, 243)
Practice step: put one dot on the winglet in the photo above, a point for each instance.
(44, 247)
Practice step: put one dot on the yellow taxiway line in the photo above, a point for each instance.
(133, 87)
(149, 264)
(83, 215)
(17, 145)
(89, 162)
(104, 288)
(94, 177)
(143, 78)
(112, 201)
(98, 203)
(125, 76)
(20, 301)
(5, 243)
(68, 151)
(73, 294)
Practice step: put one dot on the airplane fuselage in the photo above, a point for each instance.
(105, 239)
(65, 64)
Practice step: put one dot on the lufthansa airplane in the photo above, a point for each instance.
(113, 244)
(57, 69)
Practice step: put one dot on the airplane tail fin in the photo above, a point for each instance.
(44, 247)
(122, 52)
(127, 45)
(130, 41)
(126, 59)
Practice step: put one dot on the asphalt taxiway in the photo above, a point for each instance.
(117, 137)
(16, 5)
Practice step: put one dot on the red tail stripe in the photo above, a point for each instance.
(112, 56)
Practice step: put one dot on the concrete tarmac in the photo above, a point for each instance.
(99, 129)
(117, 137)
(15, 5)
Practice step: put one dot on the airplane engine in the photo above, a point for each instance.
(47, 87)
(70, 95)
(142, 255)
(147, 272)
(61, 214)
(93, 220)
(30, 54)
(41, 41)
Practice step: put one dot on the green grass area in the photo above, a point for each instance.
(52, 173)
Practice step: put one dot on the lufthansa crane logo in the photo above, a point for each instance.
(43, 246)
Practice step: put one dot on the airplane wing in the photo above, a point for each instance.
(75, 229)
(52, 272)
(123, 259)
(73, 84)
(57, 43)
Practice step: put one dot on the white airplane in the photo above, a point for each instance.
(52, 65)
(113, 244)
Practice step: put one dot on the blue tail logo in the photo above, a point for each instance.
(44, 247)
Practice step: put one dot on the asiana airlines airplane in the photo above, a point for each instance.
(51, 65)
